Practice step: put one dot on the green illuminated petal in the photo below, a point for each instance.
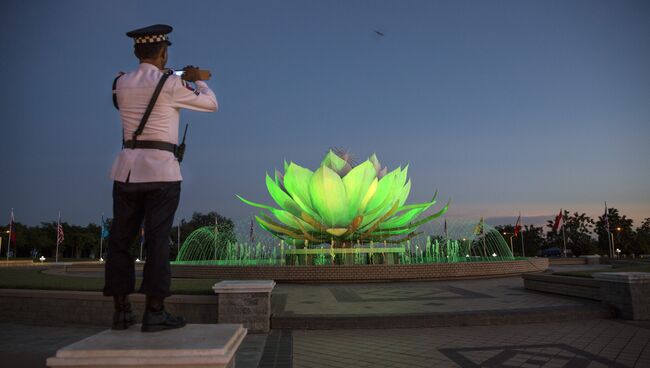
(357, 182)
(384, 190)
(370, 193)
(404, 194)
(419, 205)
(292, 221)
(328, 197)
(258, 205)
(277, 228)
(334, 162)
(423, 220)
(296, 181)
(407, 217)
(281, 197)
(402, 176)
(337, 231)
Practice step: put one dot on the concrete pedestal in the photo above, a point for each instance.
(191, 346)
(628, 292)
(245, 301)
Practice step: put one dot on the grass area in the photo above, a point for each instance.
(637, 268)
(34, 278)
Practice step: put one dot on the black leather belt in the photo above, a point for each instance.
(165, 146)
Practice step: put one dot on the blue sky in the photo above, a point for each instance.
(503, 106)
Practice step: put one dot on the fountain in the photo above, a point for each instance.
(344, 215)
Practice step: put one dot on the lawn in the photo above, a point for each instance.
(33, 278)
(636, 268)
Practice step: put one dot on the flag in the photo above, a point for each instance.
(59, 233)
(105, 231)
(558, 221)
(517, 226)
(478, 230)
(12, 230)
(606, 219)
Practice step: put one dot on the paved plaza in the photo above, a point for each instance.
(411, 298)
(594, 343)
(560, 342)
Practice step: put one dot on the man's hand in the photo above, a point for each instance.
(191, 73)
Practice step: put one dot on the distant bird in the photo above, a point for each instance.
(378, 33)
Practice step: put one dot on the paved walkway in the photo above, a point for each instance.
(596, 343)
(586, 343)
(411, 298)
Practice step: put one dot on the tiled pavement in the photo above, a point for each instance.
(411, 298)
(585, 343)
(594, 343)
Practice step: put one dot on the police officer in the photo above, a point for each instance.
(147, 177)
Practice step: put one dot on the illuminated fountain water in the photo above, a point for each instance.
(342, 214)
(464, 242)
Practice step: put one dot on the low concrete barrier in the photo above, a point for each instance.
(56, 307)
(247, 302)
(191, 346)
(581, 287)
(628, 292)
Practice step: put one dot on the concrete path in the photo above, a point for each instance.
(591, 343)
(596, 343)
(410, 297)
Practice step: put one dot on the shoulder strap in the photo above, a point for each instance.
(152, 102)
(114, 91)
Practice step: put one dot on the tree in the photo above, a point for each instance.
(642, 237)
(534, 240)
(620, 228)
(577, 230)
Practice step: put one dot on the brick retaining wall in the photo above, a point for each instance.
(361, 273)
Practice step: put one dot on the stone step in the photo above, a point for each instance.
(446, 319)
(196, 345)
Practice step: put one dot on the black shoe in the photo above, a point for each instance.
(160, 320)
(123, 316)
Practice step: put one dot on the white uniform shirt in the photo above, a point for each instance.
(134, 90)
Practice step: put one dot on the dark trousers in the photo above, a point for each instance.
(155, 203)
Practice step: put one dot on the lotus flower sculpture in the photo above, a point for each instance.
(343, 204)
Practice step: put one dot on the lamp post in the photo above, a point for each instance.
(8, 243)
(618, 251)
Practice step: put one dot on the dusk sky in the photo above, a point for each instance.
(502, 106)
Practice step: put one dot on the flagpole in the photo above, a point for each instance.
(609, 237)
(11, 223)
(563, 234)
(101, 237)
(58, 224)
(522, 242)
